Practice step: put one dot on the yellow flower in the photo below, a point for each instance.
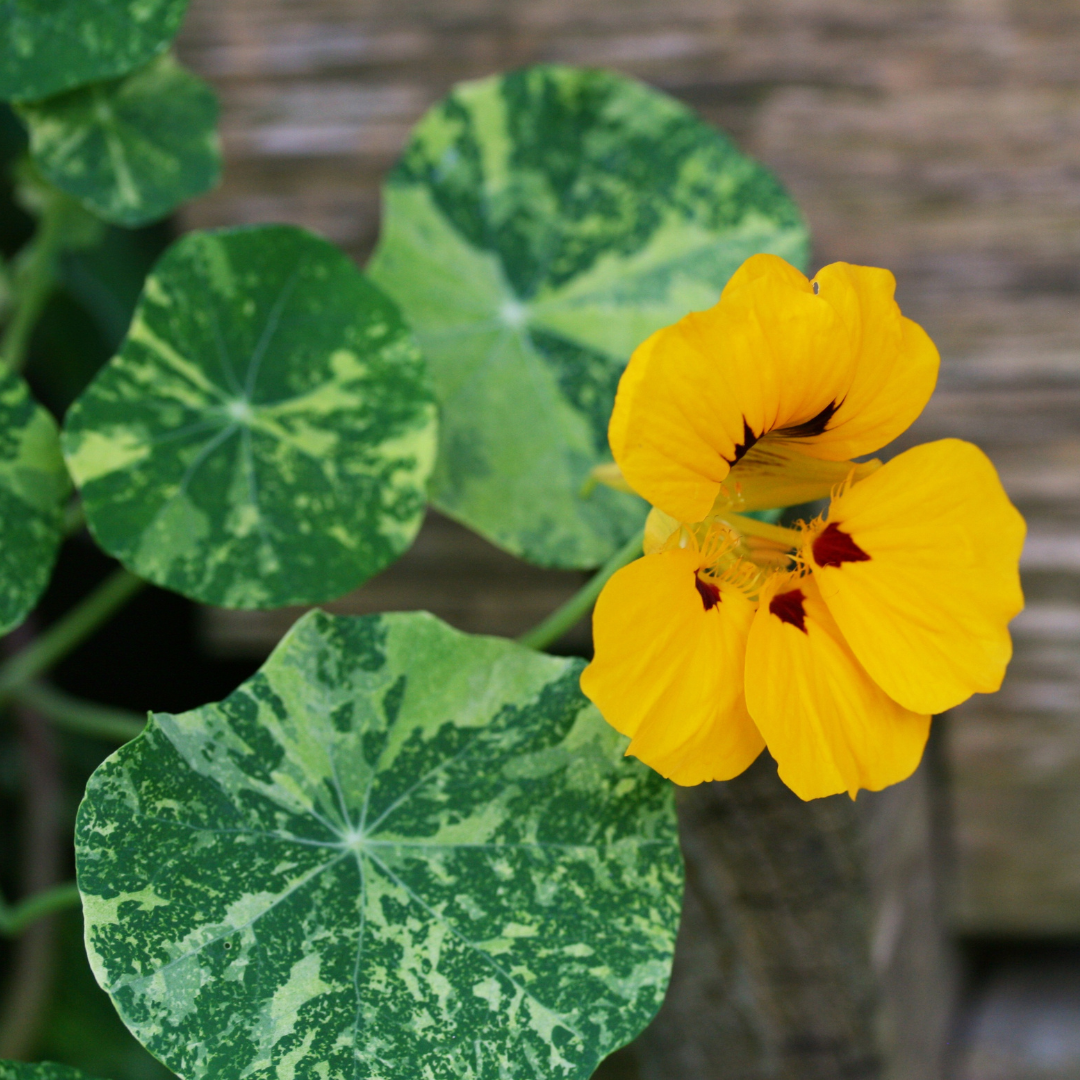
(832, 643)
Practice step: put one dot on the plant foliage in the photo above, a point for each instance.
(52, 45)
(398, 850)
(131, 149)
(538, 227)
(265, 434)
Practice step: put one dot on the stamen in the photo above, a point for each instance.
(788, 607)
(833, 547)
(709, 593)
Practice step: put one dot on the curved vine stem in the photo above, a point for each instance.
(564, 617)
(82, 717)
(32, 969)
(15, 918)
(68, 632)
(34, 276)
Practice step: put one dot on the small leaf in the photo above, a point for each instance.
(265, 435)
(33, 488)
(540, 226)
(52, 45)
(39, 1070)
(398, 851)
(132, 149)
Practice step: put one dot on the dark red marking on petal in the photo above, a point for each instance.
(788, 607)
(833, 547)
(816, 425)
(748, 440)
(709, 593)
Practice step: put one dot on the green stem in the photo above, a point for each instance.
(14, 919)
(34, 278)
(562, 618)
(749, 526)
(74, 518)
(68, 632)
(83, 717)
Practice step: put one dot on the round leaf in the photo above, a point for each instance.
(33, 488)
(265, 435)
(133, 149)
(52, 45)
(397, 851)
(539, 226)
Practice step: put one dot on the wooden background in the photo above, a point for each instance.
(939, 138)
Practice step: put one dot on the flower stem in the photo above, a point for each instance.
(753, 527)
(562, 618)
(34, 277)
(15, 918)
(68, 632)
(83, 717)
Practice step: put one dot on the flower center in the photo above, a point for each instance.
(788, 607)
(833, 547)
(709, 593)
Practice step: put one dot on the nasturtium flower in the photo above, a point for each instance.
(832, 643)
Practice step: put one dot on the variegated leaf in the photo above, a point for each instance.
(539, 226)
(131, 149)
(265, 435)
(47, 46)
(33, 487)
(397, 852)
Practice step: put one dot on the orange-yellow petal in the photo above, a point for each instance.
(927, 611)
(694, 393)
(896, 365)
(827, 724)
(669, 673)
(774, 359)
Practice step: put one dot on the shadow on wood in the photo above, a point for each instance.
(811, 947)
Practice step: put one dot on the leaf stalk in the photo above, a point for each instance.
(80, 716)
(565, 616)
(15, 918)
(33, 279)
(68, 632)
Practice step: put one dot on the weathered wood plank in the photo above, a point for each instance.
(812, 944)
(1026, 1023)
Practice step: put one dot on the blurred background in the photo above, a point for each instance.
(938, 138)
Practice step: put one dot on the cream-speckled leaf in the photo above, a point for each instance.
(397, 852)
(131, 149)
(33, 487)
(539, 226)
(265, 435)
(39, 1070)
(47, 46)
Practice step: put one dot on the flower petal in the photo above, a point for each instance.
(896, 363)
(669, 673)
(927, 611)
(827, 724)
(831, 369)
(767, 355)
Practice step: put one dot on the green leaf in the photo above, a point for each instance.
(398, 851)
(132, 149)
(265, 435)
(539, 227)
(52, 45)
(39, 1070)
(33, 488)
